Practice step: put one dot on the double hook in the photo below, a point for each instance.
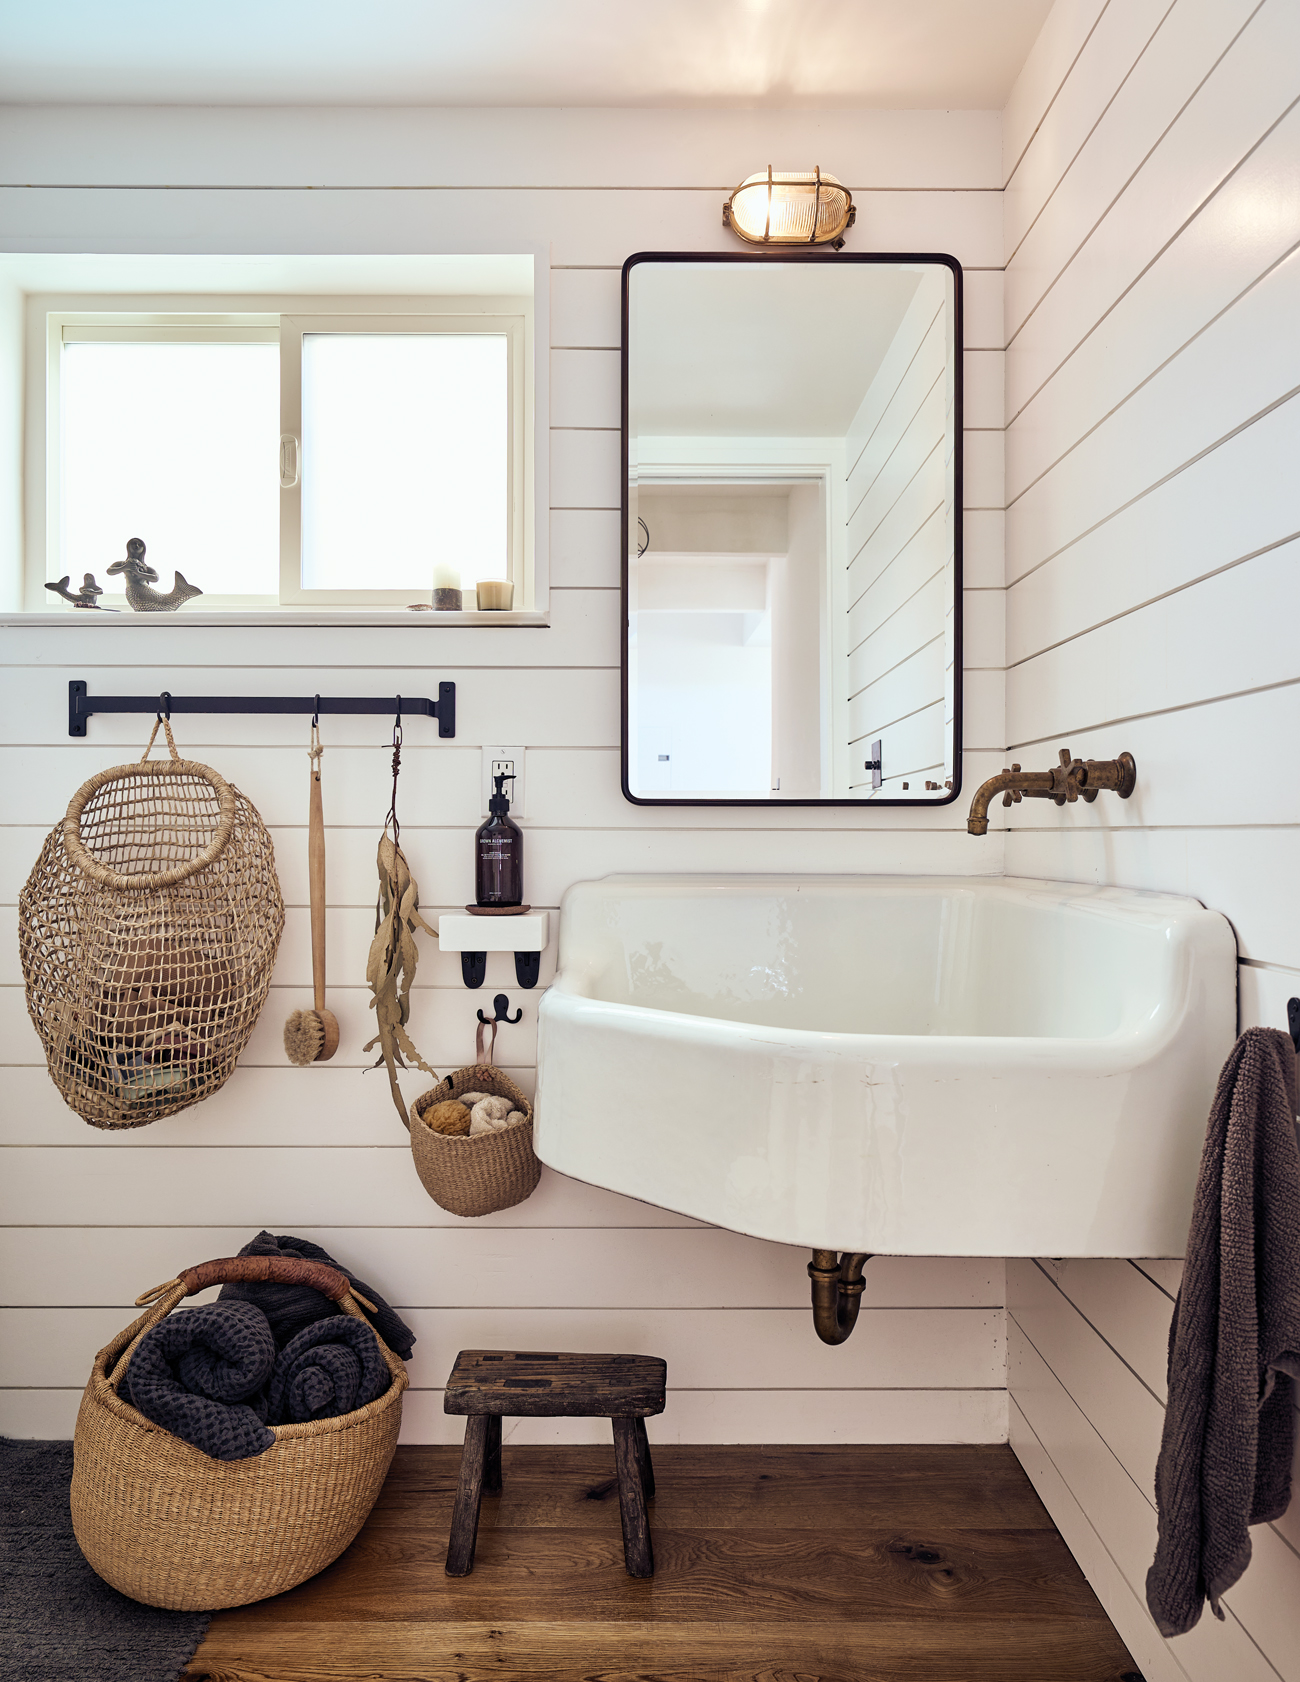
(501, 1011)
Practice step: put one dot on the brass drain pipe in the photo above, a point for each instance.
(837, 1287)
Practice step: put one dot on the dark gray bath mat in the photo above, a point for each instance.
(59, 1622)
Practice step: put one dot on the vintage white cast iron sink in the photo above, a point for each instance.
(903, 1065)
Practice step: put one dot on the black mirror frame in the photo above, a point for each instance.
(811, 256)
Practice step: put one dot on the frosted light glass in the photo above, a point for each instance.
(178, 445)
(404, 459)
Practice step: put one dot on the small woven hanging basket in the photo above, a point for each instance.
(169, 1525)
(488, 1172)
(148, 930)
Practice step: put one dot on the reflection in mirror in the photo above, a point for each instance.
(793, 560)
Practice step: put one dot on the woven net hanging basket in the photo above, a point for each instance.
(148, 930)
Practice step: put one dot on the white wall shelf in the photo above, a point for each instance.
(459, 931)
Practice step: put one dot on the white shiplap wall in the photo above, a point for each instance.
(93, 1219)
(1152, 154)
(898, 458)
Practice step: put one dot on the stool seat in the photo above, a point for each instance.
(518, 1382)
(487, 1384)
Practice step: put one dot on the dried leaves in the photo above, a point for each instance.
(390, 969)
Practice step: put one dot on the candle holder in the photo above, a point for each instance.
(495, 595)
(447, 597)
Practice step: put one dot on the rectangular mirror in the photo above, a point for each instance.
(791, 529)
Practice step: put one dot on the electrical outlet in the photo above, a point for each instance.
(511, 762)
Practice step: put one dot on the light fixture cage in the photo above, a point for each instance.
(784, 207)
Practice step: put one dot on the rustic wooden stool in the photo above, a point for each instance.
(488, 1383)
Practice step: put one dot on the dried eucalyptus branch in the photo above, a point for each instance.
(390, 968)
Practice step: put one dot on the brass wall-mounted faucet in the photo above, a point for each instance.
(1072, 779)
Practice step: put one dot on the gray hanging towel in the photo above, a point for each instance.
(1234, 1344)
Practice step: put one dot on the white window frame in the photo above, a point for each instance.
(293, 329)
(508, 316)
(108, 327)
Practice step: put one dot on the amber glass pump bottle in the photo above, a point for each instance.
(499, 855)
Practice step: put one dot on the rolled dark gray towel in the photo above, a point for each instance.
(202, 1374)
(290, 1308)
(330, 1368)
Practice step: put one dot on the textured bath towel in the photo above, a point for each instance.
(202, 1374)
(330, 1368)
(1234, 1344)
(290, 1308)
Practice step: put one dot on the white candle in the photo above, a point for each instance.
(446, 578)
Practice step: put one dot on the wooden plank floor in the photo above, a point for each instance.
(839, 1564)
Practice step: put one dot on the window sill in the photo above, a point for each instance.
(340, 616)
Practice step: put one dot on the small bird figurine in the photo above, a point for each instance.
(85, 596)
(140, 575)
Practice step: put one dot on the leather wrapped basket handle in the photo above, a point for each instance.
(278, 1270)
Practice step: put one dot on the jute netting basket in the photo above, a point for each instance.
(475, 1176)
(169, 1525)
(148, 930)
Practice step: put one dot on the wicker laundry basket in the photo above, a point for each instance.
(148, 930)
(488, 1172)
(169, 1525)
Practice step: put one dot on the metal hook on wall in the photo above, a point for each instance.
(501, 1011)
(165, 706)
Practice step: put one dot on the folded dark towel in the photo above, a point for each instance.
(330, 1368)
(290, 1308)
(202, 1374)
(1234, 1344)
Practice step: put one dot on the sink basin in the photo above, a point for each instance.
(902, 1065)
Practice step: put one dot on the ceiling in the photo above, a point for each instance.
(900, 54)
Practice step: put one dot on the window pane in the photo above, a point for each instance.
(404, 459)
(178, 445)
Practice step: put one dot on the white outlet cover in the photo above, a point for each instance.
(515, 791)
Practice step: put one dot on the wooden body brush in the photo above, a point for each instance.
(312, 1036)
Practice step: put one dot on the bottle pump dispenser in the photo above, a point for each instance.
(499, 853)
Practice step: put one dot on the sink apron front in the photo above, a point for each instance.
(905, 1144)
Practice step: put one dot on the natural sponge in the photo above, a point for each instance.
(451, 1116)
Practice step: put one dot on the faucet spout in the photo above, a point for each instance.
(1011, 784)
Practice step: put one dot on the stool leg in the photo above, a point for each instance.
(492, 1456)
(643, 1460)
(637, 1552)
(469, 1492)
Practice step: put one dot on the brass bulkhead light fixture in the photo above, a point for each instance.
(785, 208)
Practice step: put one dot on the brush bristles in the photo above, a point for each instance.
(303, 1037)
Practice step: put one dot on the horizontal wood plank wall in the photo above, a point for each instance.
(93, 1219)
(899, 549)
(1152, 153)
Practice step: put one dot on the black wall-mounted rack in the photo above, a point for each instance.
(83, 705)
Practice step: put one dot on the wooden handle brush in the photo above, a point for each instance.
(312, 1036)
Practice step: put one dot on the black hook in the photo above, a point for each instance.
(165, 707)
(1293, 1022)
(501, 1009)
(315, 717)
